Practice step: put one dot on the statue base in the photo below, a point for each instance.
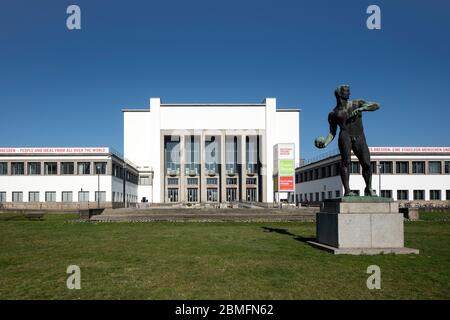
(360, 225)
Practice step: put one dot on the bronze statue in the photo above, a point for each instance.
(347, 114)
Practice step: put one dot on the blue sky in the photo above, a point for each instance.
(66, 88)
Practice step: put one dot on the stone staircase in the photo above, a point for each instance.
(201, 214)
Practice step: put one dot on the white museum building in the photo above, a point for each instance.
(409, 174)
(65, 178)
(210, 153)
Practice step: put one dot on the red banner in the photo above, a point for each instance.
(287, 183)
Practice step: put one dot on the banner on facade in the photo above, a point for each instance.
(284, 167)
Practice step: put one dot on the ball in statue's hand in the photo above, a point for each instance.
(320, 142)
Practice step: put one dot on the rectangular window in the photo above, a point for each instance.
(66, 196)
(337, 169)
(192, 194)
(386, 193)
(50, 168)
(50, 196)
(373, 167)
(330, 194)
(172, 155)
(211, 181)
(251, 181)
(17, 168)
(100, 167)
(84, 167)
(317, 197)
(231, 180)
(447, 194)
(172, 194)
(33, 196)
(323, 195)
(67, 168)
(144, 180)
(446, 167)
(34, 168)
(192, 155)
(212, 155)
(17, 196)
(402, 195)
(102, 196)
(337, 193)
(172, 181)
(212, 194)
(402, 167)
(83, 196)
(354, 167)
(419, 194)
(435, 194)
(192, 181)
(418, 167)
(316, 174)
(231, 154)
(434, 167)
(3, 168)
(385, 166)
(310, 196)
(2, 196)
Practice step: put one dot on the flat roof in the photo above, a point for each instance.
(212, 105)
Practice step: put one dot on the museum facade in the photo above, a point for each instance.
(210, 153)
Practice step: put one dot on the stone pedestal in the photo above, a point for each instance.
(360, 225)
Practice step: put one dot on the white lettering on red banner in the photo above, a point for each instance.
(409, 149)
(54, 150)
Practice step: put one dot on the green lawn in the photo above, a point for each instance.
(210, 260)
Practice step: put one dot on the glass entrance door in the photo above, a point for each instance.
(173, 194)
(231, 194)
(192, 194)
(251, 194)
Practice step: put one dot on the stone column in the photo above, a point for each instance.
(202, 182)
(223, 175)
(263, 169)
(182, 183)
(243, 168)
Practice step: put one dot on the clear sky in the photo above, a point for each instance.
(66, 88)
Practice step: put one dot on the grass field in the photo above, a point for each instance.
(210, 260)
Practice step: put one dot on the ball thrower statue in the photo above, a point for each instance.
(348, 116)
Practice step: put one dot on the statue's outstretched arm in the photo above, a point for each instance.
(365, 106)
(369, 106)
